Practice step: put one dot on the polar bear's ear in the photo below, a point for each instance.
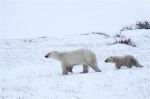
(55, 51)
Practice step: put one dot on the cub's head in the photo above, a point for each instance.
(51, 54)
(110, 60)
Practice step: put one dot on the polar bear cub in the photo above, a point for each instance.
(127, 60)
(69, 59)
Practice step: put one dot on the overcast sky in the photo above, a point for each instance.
(28, 19)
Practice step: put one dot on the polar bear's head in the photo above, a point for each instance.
(52, 54)
(110, 60)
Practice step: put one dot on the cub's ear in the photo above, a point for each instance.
(55, 51)
(111, 57)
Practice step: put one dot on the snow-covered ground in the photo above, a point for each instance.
(26, 74)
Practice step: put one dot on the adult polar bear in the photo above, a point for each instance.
(127, 60)
(69, 59)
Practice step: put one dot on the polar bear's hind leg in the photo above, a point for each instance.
(85, 69)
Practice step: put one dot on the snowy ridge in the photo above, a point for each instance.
(26, 74)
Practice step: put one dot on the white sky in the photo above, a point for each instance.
(27, 19)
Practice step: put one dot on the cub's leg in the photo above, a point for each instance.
(129, 65)
(118, 66)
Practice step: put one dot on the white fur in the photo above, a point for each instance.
(69, 59)
(127, 60)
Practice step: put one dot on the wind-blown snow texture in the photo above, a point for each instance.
(26, 74)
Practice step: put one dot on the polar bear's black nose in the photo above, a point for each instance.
(106, 60)
(46, 56)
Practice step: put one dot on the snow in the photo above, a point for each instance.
(26, 73)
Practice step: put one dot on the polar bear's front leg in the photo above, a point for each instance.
(64, 69)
